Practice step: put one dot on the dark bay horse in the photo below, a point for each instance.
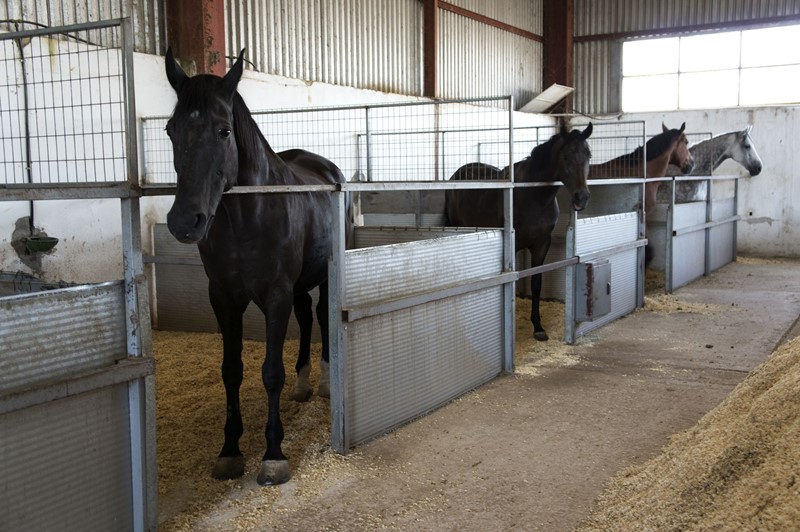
(564, 157)
(668, 147)
(271, 249)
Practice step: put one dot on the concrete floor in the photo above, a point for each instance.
(534, 452)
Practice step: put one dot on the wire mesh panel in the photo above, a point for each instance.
(424, 142)
(614, 150)
(63, 107)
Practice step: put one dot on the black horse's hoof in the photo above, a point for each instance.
(228, 467)
(274, 472)
(541, 336)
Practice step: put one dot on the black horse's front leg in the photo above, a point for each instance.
(229, 310)
(275, 466)
(538, 254)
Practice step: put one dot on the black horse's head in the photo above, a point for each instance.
(571, 157)
(203, 145)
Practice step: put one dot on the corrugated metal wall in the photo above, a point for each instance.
(597, 61)
(375, 44)
(147, 17)
(478, 60)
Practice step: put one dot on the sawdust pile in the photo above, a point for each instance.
(737, 469)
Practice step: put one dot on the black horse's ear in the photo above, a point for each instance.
(587, 132)
(683, 126)
(175, 74)
(231, 79)
(664, 127)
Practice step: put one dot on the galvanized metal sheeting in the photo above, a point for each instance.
(48, 334)
(60, 458)
(404, 363)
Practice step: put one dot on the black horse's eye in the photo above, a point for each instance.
(224, 133)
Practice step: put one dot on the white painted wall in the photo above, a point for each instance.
(89, 249)
(769, 203)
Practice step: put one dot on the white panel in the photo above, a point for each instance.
(688, 250)
(403, 364)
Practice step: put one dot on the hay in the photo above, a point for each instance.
(532, 355)
(190, 417)
(737, 469)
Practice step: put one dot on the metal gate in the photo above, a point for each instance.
(77, 414)
(701, 235)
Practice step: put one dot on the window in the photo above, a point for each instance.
(740, 68)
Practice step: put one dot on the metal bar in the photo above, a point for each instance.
(707, 225)
(447, 6)
(612, 250)
(669, 261)
(509, 254)
(67, 191)
(153, 259)
(707, 235)
(569, 290)
(350, 315)
(550, 266)
(73, 28)
(337, 335)
(124, 370)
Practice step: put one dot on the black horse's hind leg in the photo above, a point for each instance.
(302, 311)
(324, 389)
(229, 310)
(538, 255)
(275, 466)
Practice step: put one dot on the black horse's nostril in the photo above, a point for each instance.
(199, 220)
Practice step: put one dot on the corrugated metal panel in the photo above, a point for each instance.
(523, 14)
(477, 60)
(386, 272)
(380, 236)
(403, 364)
(67, 464)
(49, 334)
(592, 76)
(369, 45)
(594, 17)
(721, 237)
(592, 234)
(147, 17)
(688, 250)
(406, 363)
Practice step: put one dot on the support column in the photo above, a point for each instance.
(558, 44)
(196, 33)
(430, 44)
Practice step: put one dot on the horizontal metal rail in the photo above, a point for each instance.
(351, 314)
(706, 225)
(18, 192)
(125, 370)
(613, 250)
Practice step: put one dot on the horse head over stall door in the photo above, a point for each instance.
(271, 249)
(668, 147)
(564, 157)
(710, 154)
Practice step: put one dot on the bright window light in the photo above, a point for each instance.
(729, 69)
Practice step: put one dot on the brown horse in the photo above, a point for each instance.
(563, 158)
(668, 147)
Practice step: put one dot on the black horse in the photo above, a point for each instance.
(271, 249)
(564, 157)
